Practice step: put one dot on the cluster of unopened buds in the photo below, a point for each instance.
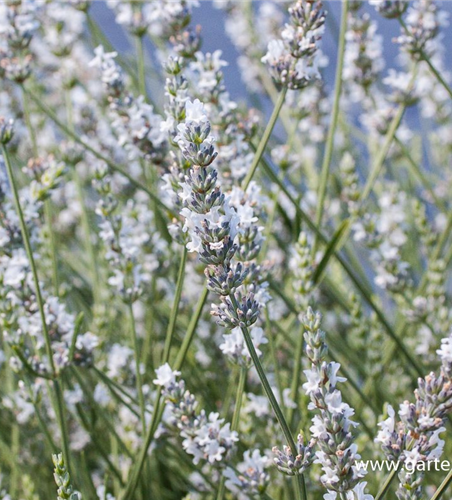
(293, 465)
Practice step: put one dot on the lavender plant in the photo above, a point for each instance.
(165, 240)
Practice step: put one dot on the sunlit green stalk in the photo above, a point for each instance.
(175, 308)
(443, 487)
(235, 419)
(385, 487)
(141, 65)
(158, 409)
(271, 344)
(422, 177)
(84, 214)
(39, 300)
(47, 203)
(296, 376)
(271, 397)
(138, 378)
(265, 138)
(43, 426)
(52, 244)
(182, 353)
(333, 124)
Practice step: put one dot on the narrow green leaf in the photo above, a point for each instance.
(334, 243)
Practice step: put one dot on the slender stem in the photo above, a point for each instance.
(136, 471)
(438, 75)
(190, 331)
(387, 484)
(300, 487)
(268, 390)
(417, 171)
(27, 116)
(44, 427)
(334, 119)
(114, 166)
(138, 378)
(28, 249)
(141, 66)
(393, 473)
(383, 151)
(84, 213)
(39, 300)
(158, 409)
(87, 236)
(265, 138)
(47, 203)
(235, 419)
(175, 308)
(296, 376)
(100, 412)
(52, 244)
(61, 415)
(239, 398)
(99, 446)
(15, 450)
(443, 487)
(271, 344)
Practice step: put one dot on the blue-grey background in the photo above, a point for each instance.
(214, 37)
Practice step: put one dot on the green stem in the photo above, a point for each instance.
(44, 427)
(175, 308)
(383, 151)
(141, 66)
(271, 344)
(417, 171)
(443, 487)
(437, 74)
(269, 392)
(190, 331)
(265, 138)
(52, 244)
(47, 203)
(296, 376)
(30, 256)
(136, 471)
(334, 119)
(235, 419)
(100, 412)
(387, 484)
(39, 300)
(239, 398)
(15, 450)
(61, 415)
(139, 381)
(392, 475)
(158, 409)
(27, 116)
(114, 166)
(84, 215)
